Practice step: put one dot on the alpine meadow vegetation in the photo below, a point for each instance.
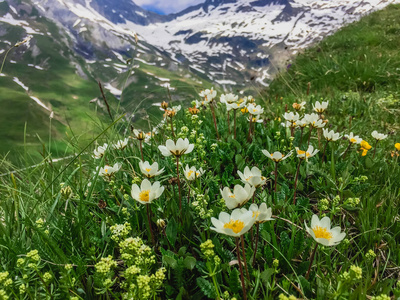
(293, 194)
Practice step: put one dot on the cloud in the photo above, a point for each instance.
(167, 6)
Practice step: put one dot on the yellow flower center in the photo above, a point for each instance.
(189, 173)
(248, 178)
(353, 140)
(235, 225)
(322, 232)
(232, 196)
(105, 170)
(144, 195)
(301, 152)
(254, 110)
(197, 174)
(148, 169)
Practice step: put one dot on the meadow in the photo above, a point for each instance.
(293, 194)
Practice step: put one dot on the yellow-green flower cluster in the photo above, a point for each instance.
(65, 191)
(370, 255)
(354, 274)
(323, 204)
(200, 206)
(207, 248)
(284, 297)
(381, 297)
(183, 133)
(134, 252)
(33, 255)
(353, 202)
(20, 262)
(120, 231)
(39, 223)
(47, 277)
(105, 265)
(3, 295)
(4, 280)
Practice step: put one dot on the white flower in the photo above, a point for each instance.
(287, 124)
(291, 117)
(255, 110)
(121, 144)
(306, 154)
(99, 152)
(253, 176)
(108, 171)
(239, 197)
(147, 192)
(276, 156)
(320, 107)
(199, 104)
(262, 213)
(299, 106)
(177, 149)
(235, 106)
(378, 136)
(256, 119)
(302, 123)
(208, 94)
(322, 232)
(314, 121)
(192, 173)
(354, 139)
(235, 224)
(150, 170)
(138, 134)
(228, 98)
(331, 135)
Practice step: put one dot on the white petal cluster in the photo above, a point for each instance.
(255, 109)
(378, 136)
(276, 156)
(228, 98)
(306, 154)
(108, 171)
(235, 105)
(182, 146)
(150, 170)
(322, 232)
(320, 107)
(235, 224)
(192, 173)
(252, 177)
(314, 121)
(331, 135)
(208, 94)
(147, 192)
(354, 139)
(291, 117)
(261, 213)
(99, 152)
(121, 144)
(239, 197)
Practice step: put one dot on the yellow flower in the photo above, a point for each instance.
(397, 146)
(365, 146)
(244, 110)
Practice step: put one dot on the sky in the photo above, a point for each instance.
(166, 6)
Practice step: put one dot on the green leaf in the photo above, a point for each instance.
(189, 262)
(182, 251)
(266, 275)
(206, 287)
(170, 261)
(233, 281)
(172, 231)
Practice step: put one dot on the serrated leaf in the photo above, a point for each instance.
(233, 281)
(171, 231)
(189, 262)
(266, 275)
(206, 287)
(170, 261)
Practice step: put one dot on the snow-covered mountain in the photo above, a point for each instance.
(225, 41)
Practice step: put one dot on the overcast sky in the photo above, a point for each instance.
(167, 6)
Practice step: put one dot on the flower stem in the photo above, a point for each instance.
(234, 124)
(311, 261)
(4, 60)
(309, 137)
(141, 148)
(249, 138)
(347, 149)
(241, 269)
(229, 123)
(214, 119)
(255, 248)
(295, 182)
(276, 175)
(301, 135)
(376, 143)
(244, 258)
(179, 185)
(172, 128)
(149, 220)
(323, 155)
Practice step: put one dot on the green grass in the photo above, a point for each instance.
(67, 214)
